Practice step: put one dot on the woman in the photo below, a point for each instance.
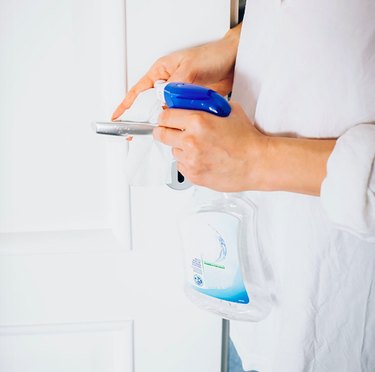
(301, 141)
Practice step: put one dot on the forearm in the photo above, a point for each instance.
(287, 164)
(295, 164)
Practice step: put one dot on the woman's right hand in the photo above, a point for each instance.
(210, 65)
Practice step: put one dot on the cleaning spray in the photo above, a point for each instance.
(226, 270)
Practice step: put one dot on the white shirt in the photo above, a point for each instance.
(307, 69)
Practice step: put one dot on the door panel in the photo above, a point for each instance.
(155, 28)
(52, 165)
(96, 347)
(64, 201)
(78, 291)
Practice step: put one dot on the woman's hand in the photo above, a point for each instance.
(224, 154)
(230, 154)
(210, 65)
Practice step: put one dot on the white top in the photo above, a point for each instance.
(307, 68)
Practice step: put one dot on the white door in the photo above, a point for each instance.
(90, 271)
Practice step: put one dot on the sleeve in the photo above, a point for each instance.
(348, 191)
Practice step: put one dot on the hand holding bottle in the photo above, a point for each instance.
(221, 153)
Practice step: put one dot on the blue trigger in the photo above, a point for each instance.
(195, 97)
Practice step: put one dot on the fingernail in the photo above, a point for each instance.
(115, 115)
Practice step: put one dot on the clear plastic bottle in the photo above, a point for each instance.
(226, 270)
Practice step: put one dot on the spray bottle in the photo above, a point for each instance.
(226, 271)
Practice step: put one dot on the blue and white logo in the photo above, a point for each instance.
(223, 250)
(198, 280)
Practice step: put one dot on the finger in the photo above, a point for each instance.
(222, 87)
(145, 83)
(156, 72)
(168, 136)
(175, 118)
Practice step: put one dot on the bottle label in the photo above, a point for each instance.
(211, 247)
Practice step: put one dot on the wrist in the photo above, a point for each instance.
(258, 163)
(231, 40)
(294, 164)
(233, 34)
(268, 172)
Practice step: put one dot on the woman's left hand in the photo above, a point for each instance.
(224, 154)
